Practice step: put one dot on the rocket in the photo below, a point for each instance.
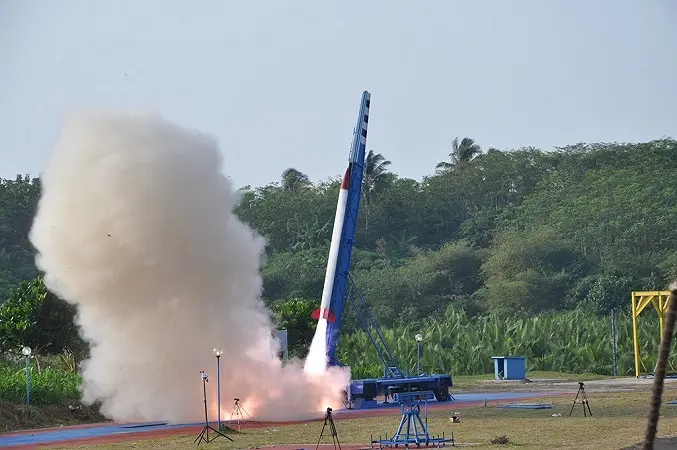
(343, 232)
(323, 311)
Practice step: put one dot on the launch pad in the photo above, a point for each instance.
(339, 285)
(416, 431)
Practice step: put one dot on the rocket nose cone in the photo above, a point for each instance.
(345, 184)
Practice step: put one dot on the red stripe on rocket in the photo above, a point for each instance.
(324, 310)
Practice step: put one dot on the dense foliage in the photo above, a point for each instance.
(517, 232)
(54, 384)
(18, 203)
(571, 341)
(34, 316)
(517, 251)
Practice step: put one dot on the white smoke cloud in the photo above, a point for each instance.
(135, 226)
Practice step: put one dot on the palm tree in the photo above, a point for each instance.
(376, 179)
(376, 176)
(461, 153)
(293, 180)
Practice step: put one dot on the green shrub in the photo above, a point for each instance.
(50, 386)
(572, 342)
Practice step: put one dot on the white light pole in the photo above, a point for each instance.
(218, 352)
(27, 353)
(418, 338)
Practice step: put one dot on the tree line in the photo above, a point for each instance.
(495, 232)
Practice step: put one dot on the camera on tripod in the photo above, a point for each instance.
(583, 401)
(328, 420)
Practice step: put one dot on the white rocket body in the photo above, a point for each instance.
(324, 312)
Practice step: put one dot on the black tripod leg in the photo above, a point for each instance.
(321, 433)
(574, 405)
(220, 434)
(335, 435)
(200, 437)
(587, 404)
(584, 400)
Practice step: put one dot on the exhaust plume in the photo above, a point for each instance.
(316, 361)
(135, 227)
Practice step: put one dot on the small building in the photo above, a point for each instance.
(281, 336)
(509, 367)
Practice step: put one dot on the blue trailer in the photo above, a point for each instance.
(363, 393)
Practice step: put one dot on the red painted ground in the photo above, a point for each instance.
(161, 434)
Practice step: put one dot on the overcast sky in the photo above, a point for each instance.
(279, 82)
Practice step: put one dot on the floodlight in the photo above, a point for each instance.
(218, 352)
(26, 351)
(418, 338)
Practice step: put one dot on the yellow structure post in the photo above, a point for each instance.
(660, 301)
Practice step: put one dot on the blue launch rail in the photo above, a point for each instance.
(364, 393)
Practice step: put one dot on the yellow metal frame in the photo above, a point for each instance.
(640, 299)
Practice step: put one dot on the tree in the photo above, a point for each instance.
(423, 285)
(461, 153)
(36, 317)
(608, 290)
(18, 203)
(612, 203)
(376, 176)
(531, 271)
(376, 179)
(294, 180)
(294, 315)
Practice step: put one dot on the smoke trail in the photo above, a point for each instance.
(135, 227)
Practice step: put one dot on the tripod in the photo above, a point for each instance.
(204, 434)
(584, 401)
(328, 420)
(238, 412)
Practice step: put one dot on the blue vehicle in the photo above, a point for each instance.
(339, 285)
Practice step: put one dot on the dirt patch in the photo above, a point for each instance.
(19, 417)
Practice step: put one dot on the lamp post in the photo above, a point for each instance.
(218, 352)
(419, 338)
(26, 351)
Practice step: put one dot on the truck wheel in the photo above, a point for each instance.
(442, 394)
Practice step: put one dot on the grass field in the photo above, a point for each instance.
(618, 421)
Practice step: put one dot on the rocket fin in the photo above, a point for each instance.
(327, 315)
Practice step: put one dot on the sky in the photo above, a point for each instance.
(279, 82)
